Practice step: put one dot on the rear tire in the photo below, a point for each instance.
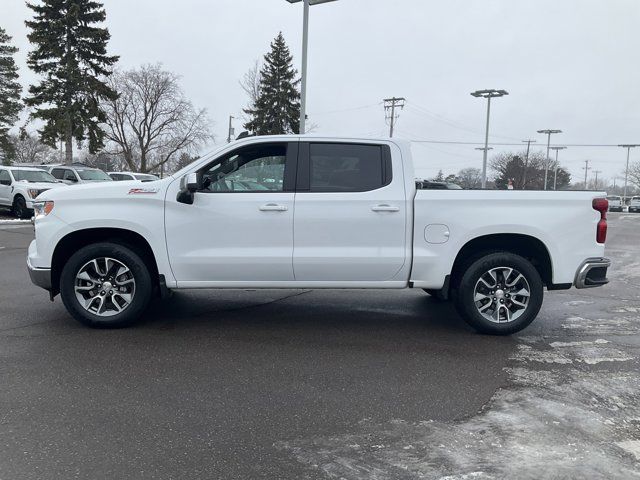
(106, 285)
(499, 294)
(19, 208)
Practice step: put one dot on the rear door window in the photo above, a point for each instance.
(344, 167)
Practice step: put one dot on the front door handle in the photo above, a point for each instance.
(273, 207)
(385, 208)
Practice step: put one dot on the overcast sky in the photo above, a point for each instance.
(569, 64)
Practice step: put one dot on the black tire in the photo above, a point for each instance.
(128, 257)
(20, 209)
(464, 293)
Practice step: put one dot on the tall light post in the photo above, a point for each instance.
(548, 132)
(628, 146)
(488, 94)
(305, 45)
(555, 170)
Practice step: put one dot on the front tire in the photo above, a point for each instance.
(19, 208)
(499, 294)
(105, 285)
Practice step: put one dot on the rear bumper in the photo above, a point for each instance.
(40, 276)
(592, 273)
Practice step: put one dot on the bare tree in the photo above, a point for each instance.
(152, 121)
(29, 149)
(250, 83)
(634, 174)
(469, 178)
(511, 166)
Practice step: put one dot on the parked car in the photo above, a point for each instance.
(74, 174)
(143, 177)
(615, 203)
(634, 205)
(359, 223)
(19, 186)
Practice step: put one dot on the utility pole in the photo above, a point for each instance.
(586, 168)
(555, 170)
(488, 94)
(626, 170)
(526, 163)
(548, 132)
(596, 181)
(392, 104)
(231, 131)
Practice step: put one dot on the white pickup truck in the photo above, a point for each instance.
(312, 212)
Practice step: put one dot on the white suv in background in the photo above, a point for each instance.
(143, 177)
(19, 186)
(73, 174)
(615, 203)
(634, 206)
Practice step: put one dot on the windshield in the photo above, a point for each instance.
(33, 176)
(93, 175)
(145, 178)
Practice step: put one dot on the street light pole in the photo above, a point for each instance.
(555, 172)
(546, 167)
(488, 94)
(305, 48)
(626, 170)
(303, 82)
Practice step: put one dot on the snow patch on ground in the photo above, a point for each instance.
(566, 415)
(576, 303)
(631, 446)
(602, 327)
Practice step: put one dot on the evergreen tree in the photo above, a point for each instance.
(71, 54)
(10, 89)
(277, 108)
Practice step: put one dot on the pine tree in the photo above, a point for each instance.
(277, 108)
(10, 90)
(71, 54)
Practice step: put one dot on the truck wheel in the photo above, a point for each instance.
(105, 285)
(499, 294)
(20, 209)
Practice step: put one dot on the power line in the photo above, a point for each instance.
(501, 144)
(351, 109)
(391, 104)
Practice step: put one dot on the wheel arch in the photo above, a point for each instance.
(72, 242)
(526, 246)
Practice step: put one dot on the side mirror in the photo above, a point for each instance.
(189, 185)
(192, 184)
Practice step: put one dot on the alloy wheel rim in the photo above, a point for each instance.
(104, 286)
(502, 294)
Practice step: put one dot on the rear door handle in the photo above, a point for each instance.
(273, 207)
(385, 208)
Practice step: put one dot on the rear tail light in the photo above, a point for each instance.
(601, 205)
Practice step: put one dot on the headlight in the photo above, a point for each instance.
(42, 209)
(33, 193)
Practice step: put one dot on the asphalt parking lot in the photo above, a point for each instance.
(321, 384)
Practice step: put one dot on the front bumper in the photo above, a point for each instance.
(592, 273)
(634, 209)
(40, 276)
(615, 209)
